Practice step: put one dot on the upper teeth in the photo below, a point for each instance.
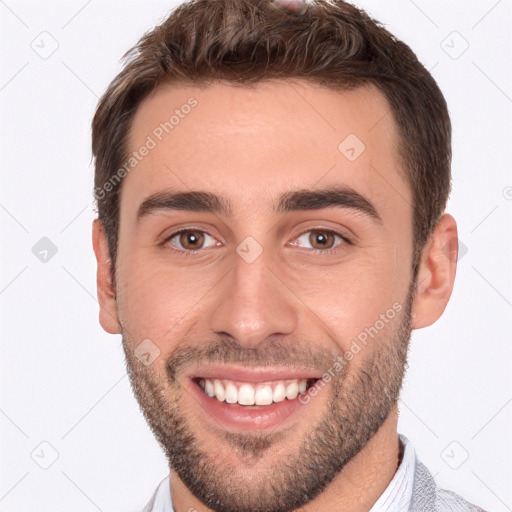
(249, 394)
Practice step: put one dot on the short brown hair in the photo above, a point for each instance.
(243, 42)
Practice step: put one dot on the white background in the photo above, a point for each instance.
(63, 378)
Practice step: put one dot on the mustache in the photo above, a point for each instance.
(270, 353)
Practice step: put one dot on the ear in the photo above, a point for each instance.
(436, 274)
(106, 291)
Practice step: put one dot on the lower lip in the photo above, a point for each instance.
(244, 417)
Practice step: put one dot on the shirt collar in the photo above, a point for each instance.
(398, 494)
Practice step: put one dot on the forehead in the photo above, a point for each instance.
(249, 144)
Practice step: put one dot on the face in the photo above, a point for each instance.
(293, 271)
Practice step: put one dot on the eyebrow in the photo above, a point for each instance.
(334, 196)
(296, 200)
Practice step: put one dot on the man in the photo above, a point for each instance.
(271, 182)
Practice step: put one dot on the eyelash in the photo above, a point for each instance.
(185, 252)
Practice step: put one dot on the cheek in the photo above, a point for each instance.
(155, 301)
(350, 300)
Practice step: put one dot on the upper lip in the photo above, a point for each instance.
(231, 372)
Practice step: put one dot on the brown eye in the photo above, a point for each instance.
(191, 239)
(321, 239)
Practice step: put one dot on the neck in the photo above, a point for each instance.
(355, 489)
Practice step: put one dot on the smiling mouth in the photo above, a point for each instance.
(251, 393)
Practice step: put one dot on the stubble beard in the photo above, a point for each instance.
(359, 404)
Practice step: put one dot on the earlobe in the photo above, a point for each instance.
(105, 290)
(436, 274)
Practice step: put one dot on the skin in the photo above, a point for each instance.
(292, 305)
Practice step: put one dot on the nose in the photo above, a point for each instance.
(253, 304)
